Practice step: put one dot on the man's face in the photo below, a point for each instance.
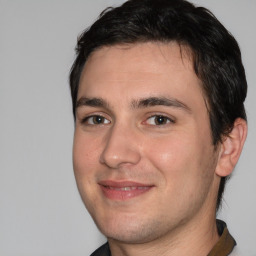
(143, 155)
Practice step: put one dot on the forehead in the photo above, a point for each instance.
(150, 57)
(140, 69)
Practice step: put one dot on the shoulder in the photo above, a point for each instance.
(102, 251)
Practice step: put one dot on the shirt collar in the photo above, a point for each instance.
(226, 243)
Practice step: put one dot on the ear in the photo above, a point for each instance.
(231, 148)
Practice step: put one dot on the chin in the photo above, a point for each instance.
(132, 231)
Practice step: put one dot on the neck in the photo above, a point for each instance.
(195, 237)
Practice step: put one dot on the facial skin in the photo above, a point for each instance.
(143, 156)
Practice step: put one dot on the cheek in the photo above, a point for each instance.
(85, 154)
(169, 154)
(186, 167)
(85, 159)
(181, 159)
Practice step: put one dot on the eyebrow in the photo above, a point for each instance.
(92, 102)
(135, 104)
(159, 101)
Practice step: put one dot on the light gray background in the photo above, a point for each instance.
(41, 213)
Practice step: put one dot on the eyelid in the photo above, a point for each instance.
(170, 119)
(92, 115)
(105, 120)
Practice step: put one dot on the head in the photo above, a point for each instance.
(158, 88)
(215, 53)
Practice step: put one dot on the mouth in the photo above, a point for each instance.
(123, 190)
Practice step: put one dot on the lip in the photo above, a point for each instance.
(123, 190)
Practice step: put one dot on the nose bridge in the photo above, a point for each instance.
(120, 147)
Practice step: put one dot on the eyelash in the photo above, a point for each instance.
(166, 120)
(93, 117)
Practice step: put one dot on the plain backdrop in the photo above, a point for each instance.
(41, 213)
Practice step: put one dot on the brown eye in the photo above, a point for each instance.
(96, 120)
(161, 120)
(158, 120)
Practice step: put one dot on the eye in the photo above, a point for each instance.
(95, 120)
(159, 120)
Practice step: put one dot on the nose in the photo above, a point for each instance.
(121, 148)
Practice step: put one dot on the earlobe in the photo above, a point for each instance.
(231, 148)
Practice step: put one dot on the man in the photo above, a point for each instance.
(158, 88)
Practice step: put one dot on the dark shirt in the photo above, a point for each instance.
(223, 247)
